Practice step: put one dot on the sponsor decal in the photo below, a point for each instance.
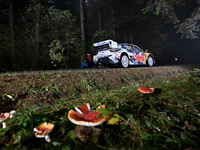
(130, 54)
(114, 59)
(140, 57)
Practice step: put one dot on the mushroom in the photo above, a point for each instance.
(13, 113)
(4, 117)
(150, 91)
(84, 117)
(43, 131)
(146, 90)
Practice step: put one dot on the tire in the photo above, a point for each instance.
(124, 61)
(150, 61)
(99, 65)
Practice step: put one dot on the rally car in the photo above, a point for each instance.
(111, 53)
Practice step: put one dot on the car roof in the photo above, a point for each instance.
(126, 44)
(130, 44)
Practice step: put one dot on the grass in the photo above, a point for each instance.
(168, 119)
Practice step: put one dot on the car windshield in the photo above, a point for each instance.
(137, 48)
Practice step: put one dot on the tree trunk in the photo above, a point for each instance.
(37, 33)
(125, 36)
(99, 15)
(113, 19)
(82, 27)
(12, 35)
(131, 38)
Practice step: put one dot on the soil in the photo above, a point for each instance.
(19, 91)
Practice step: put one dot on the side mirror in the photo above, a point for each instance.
(146, 50)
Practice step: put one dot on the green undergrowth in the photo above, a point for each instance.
(167, 119)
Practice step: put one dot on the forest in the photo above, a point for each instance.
(33, 32)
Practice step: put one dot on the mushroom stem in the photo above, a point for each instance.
(82, 132)
(47, 138)
(4, 125)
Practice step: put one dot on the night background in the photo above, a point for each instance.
(33, 32)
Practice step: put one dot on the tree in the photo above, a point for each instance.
(37, 32)
(40, 29)
(66, 45)
(82, 26)
(100, 36)
(29, 27)
(99, 14)
(168, 8)
(12, 35)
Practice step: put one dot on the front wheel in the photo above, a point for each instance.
(150, 61)
(124, 61)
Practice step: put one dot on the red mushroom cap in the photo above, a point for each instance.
(85, 109)
(4, 117)
(146, 90)
(86, 119)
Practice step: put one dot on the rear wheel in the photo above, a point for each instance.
(124, 61)
(150, 61)
(99, 65)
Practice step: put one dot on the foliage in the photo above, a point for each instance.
(190, 27)
(118, 20)
(100, 36)
(55, 24)
(66, 44)
(167, 119)
(187, 28)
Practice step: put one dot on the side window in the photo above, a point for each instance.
(137, 49)
(125, 47)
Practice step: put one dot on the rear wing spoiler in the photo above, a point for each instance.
(104, 45)
(100, 48)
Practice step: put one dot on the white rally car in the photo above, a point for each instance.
(110, 53)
